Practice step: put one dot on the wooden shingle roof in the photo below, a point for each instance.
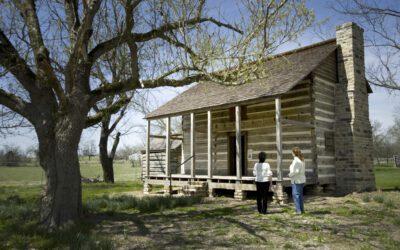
(284, 71)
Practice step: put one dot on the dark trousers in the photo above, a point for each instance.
(262, 191)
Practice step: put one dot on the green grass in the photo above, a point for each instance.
(19, 229)
(24, 192)
(117, 220)
(30, 175)
(387, 178)
(110, 205)
(89, 190)
(19, 213)
(21, 176)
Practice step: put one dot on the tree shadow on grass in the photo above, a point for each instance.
(319, 212)
(225, 225)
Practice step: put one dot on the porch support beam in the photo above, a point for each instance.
(280, 195)
(238, 143)
(148, 150)
(209, 144)
(192, 149)
(167, 146)
(278, 138)
(146, 185)
(182, 166)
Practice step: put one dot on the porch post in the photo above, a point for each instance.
(167, 187)
(209, 144)
(147, 186)
(239, 193)
(182, 167)
(238, 144)
(280, 196)
(278, 138)
(148, 150)
(209, 153)
(192, 149)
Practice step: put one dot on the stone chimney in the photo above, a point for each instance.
(353, 134)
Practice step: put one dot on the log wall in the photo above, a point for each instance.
(157, 162)
(260, 132)
(325, 79)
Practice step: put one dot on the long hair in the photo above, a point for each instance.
(297, 152)
(262, 156)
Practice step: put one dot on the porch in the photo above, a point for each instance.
(239, 182)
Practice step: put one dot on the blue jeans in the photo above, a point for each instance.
(297, 193)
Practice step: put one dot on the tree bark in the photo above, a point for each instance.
(107, 163)
(58, 152)
(108, 171)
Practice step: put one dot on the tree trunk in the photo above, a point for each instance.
(106, 162)
(58, 152)
(108, 171)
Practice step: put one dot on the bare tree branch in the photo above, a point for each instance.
(382, 20)
(114, 108)
(106, 46)
(71, 10)
(79, 48)
(13, 102)
(10, 59)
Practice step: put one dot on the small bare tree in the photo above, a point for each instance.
(382, 21)
(88, 149)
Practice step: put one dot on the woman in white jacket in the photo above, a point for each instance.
(298, 178)
(262, 172)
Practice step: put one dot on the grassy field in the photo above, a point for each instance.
(117, 216)
(387, 178)
(122, 221)
(123, 171)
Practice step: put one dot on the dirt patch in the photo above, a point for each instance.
(357, 221)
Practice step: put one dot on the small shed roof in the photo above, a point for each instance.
(284, 71)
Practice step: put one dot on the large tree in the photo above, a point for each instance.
(49, 50)
(381, 20)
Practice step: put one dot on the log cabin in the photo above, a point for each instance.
(157, 156)
(315, 97)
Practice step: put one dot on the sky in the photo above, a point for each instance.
(381, 104)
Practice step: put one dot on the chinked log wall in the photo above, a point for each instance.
(325, 80)
(260, 130)
(157, 162)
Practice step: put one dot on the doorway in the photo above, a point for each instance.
(232, 154)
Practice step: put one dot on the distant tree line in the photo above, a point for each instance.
(13, 156)
(386, 141)
(89, 149)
